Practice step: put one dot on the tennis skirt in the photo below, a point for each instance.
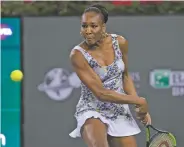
(118, 128)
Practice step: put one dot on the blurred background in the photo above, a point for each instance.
(37, 37)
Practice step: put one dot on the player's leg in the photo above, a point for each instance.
(128, 141)
(94, 133)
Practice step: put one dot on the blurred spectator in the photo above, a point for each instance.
(70, 8)
(124, 3)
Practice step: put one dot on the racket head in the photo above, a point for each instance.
(160, 139)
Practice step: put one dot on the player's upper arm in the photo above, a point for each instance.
(86, 73)
(123, 44)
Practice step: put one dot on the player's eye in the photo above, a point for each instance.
(94, 26)
(84, 26)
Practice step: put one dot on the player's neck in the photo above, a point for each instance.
(97, 45)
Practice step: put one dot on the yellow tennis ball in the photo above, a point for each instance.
(16, 75)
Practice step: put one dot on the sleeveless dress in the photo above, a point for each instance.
(117, 117)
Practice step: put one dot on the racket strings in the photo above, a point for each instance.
(162, 140)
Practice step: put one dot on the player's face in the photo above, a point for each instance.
(92, 27)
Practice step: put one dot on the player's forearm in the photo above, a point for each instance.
(118, 98)
(128, 85)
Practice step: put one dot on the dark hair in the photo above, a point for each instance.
(98, 9)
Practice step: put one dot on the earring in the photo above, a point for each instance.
(104, 35)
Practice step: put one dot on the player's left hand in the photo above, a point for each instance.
(146, 120)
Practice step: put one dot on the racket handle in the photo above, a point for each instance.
(147, 144)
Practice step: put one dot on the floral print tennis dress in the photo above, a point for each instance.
(117, 116)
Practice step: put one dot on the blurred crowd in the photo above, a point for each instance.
(70, 8)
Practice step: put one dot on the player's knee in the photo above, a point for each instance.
(99, 143)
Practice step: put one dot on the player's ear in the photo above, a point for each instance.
(104, 28)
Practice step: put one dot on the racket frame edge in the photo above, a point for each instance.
(149, 138)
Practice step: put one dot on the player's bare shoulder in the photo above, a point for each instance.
(123, 43)
(122, 40)
(75, 52)
(76, 56)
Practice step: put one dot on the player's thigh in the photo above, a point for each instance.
(94, 133)
(128, 141)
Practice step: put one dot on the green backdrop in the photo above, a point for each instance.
(10, 91)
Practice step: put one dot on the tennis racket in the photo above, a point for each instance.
(160, 138)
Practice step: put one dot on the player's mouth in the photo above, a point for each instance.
(90, 38)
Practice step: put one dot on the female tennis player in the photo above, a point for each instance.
(100, 62)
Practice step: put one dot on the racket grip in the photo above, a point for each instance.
(147, 144)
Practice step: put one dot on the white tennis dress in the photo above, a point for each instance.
(118, 117)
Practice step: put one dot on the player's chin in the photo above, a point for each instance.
(90, 42)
